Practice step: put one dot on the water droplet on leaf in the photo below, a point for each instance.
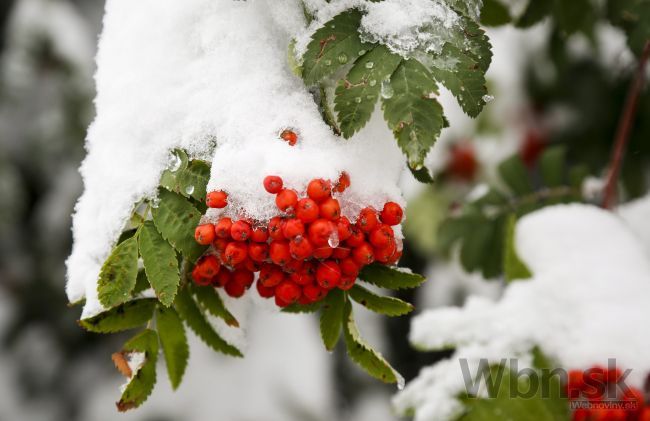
(370, 65)
(343, 58)
(328, 62)
(488, 98)
(386, 90)
(372, 82)
(357, 100)
(175, 163)
(189, 189)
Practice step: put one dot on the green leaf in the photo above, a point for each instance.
(357, 94)
(333, 46)
(190, 181)
(332, 318)
(142, 382)
(294, 65)
(492, 262)
(535, 12)
(195, 319)
(371, 361)
(210, 300)
(176, 218)
(300, 308)
(390, 277)
(173, 342)
(494, 13)
(123, 317)
(160, 263)
(411, 111)
(475, 44)
(552, 164)
(475, 245)
(389, 306)
(633, 16)
(514, 173)
(463, 76)
(141, 283)
(469, 8)
(118, 274)
(422, 175)
(513, 267)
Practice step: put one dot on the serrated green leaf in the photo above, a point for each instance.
(210, 300)
(552, 164)
(357, 94)
(176, 218)
(173, 342)
(475, 43)
(190, 180)
(390, 277)
(422, 175)
(513, 172)
(160, 263)
(411, 111)
(371, 361)
(142, 382)
(494, 13)
(389, 306)
(463, 76)
(118, 274)
(194, 318)
(334, 45)
(303, 308)
(123, 317)
(331, 318)
(476, 245)
(469, 8)
(513, 267)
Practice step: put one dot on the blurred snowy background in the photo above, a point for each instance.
(52, 370)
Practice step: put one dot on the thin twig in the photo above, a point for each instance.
(623, 131)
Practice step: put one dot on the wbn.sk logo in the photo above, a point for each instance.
(507, 378)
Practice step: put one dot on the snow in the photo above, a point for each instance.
(586, 302)
(211, 78)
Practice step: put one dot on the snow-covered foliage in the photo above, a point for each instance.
(586, 303)
(211, 78)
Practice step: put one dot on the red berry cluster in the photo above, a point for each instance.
(300, 254)
(605, 396)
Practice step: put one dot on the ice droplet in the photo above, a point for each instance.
(342, 58)
(175, 163)
(400, 381)
(370, 65)
(399, 243)
(328, 62)
(386, 90)
(155, 203)
(488, 98)
(189, 189)
(373, 82)
(362, 52)
(333, 240)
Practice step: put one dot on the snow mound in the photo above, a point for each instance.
(587, 302)
(210, 77)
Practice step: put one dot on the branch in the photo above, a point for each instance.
(623, 131)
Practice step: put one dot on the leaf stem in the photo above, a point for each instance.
(623, 131)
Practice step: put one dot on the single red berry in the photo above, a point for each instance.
(293, 266)
(271, 275)
(207, 267)
(302, 277)
(356, 237)
(289, 136)
(293, 228)
(240, 231)
(581, 414)
(286, 200)
(204, 234)
(392, 213)
(235, 253)
(575, 384)
(319, 189)
(217, 199)
(243, 276)
(347, 282)
(307, 210)
(343, 228)
(288, 292)
(381, 236)
(258, 252)
(199, 278)
(320, 231)
(367, 220)
(342, 183)
(644, 415)
(220, 245)
(349, 267)
(250, 265)
(323, 252)
(594, 382)
(395, 257)
(328, 274)
(364, 254)
(330, 209)
(314, 292)
(222, 229)
(259, 235)
(341, 252)
(275, 228)
(303, 301)
(272, 184)
(235, 288)
(300, 248)
(264, 292)
(222, 278)
(462, 163)
(532, 147)
(386, 253)
(279, 252)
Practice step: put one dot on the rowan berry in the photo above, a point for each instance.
(323, 252)
(240, 231)
(272, 184)
(320, 231)
(258, 252)
(328, 274)
(307, 210)
(302, 277)
(235, 287)
(286, 200)
(349, 267)
(222, 229)
(347, 282)
(264, 292)
(300, 248)
(343, 228)
(289, 136)
(244, 276)
(342, 183)
(314, 292)
(367, 220)
(293, 228)
(222, 278)
(381, 236)
(259, 235)
(288, 292)
(204, 234)
(341, 252)
(392, 213)
(462, 162)
(235, 253)
(356, 237)
(319, 189)
(279, 252)
(385, 254)
(217, 199)
(330, 209)
(271, 275)
(275, 228)
(293, 266)
(364, 254)
(207, 267)
(220, 245)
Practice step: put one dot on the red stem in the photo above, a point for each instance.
(623, 131)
